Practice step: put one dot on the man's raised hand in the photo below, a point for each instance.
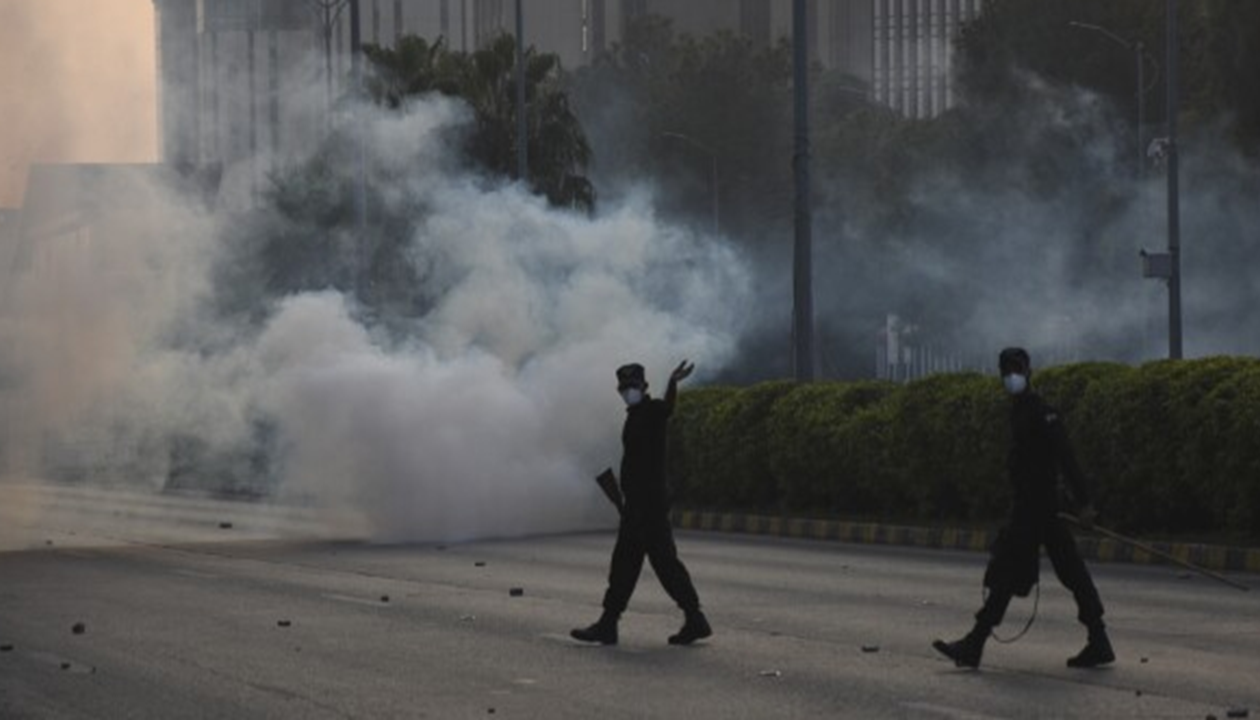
(682, 372)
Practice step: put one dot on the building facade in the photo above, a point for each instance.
(913, 53)
(249, 84)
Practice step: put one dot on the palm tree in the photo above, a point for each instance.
(485, 80)
(414, 67)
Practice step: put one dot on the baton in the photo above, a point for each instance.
(1154, 551)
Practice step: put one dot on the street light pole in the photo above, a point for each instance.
(356, 74)
(713, 171)
(1174, 209)
(330, 14)
(522, 126)
(802, 264)
(1141, 109)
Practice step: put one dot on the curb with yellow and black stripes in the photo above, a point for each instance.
(1212, 557)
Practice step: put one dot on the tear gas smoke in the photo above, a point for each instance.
(489, 417)
(1040, 247)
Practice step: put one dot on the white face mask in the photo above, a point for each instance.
(1015, 383)
(632, 396)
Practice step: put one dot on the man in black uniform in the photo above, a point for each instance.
(1039, 453)
(645, 528)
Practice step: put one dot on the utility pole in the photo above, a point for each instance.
(802, 264)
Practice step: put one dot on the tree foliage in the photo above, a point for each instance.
(557, 148)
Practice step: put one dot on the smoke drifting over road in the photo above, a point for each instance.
(490, 413)
(493, 417)
(489, 416)
(1038, 245)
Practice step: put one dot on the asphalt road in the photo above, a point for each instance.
(227, 627)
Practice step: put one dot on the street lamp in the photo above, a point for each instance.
(1139, 51)
(330, 14)
(1164, 266)
(713, 171)
(332, 10)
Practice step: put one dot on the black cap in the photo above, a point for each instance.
(1013, 358)
(632, 374)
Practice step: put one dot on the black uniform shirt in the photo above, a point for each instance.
(643, 454)
(1039, 455)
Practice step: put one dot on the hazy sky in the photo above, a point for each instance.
(77, 84)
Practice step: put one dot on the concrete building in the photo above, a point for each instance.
(248, 84)
(912, 55)
(902, 50)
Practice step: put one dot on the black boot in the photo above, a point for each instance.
(1097, 651)
(967, 651)
(604, 631)
(695, 627)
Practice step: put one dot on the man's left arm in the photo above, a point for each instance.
(682, 372)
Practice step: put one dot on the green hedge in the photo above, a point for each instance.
(1171, 447)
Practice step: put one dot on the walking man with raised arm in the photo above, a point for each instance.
(645, 529)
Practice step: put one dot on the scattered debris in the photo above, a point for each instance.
(441, 547)
(516, 592)
(870, 648)
(1210, 717)
(770, 673)
(78, 628)
(225, 526)
(1144, 660)
(48, 542)
(284, 623)
(1237, 712)
(467, 618)
(480, 563)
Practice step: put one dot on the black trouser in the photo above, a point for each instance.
(1060, 546)
(647, 534)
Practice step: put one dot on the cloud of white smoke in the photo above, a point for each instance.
(490, 418)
